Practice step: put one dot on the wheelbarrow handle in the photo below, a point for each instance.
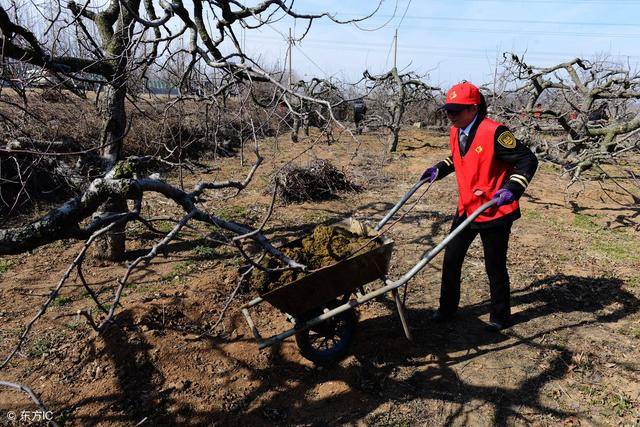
(398, 205)
(435, 251)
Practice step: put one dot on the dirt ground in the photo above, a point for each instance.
(571, 358)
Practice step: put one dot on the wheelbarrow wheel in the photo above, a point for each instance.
(329, 342)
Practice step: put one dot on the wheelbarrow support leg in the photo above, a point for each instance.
(252, 326)
(402, 314)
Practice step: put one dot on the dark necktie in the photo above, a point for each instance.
(463, 142)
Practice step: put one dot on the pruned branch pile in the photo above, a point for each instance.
(318, 181)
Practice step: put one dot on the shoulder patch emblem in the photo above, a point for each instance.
(507, 140)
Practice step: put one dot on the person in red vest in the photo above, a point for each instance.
(489, 163)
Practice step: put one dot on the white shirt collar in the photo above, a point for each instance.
(469, 126)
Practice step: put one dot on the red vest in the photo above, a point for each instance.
(479, 173)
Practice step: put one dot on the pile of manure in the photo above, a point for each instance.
(325, 246)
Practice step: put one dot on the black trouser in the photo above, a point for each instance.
(495, 241)
(357, 119)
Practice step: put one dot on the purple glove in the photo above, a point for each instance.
(431, 174)
(503, 197)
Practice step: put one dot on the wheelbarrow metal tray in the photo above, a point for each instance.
(312, 291)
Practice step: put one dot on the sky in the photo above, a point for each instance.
(451, 40)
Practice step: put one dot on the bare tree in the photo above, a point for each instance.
(592, 105)
(117, 45)
(307, 113)
(393, 91)
(123, 38)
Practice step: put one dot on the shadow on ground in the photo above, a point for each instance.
(385, 367)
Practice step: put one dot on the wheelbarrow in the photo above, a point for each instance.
(321, 305)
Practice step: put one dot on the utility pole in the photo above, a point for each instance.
(395, 49)
(290, 52)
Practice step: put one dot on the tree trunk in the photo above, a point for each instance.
(398, 112)
(112, 246)
(117, 43)
(114, 123)
(306, 120)
(296, 128)
(113, 111)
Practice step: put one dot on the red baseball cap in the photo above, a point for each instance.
(461, 95)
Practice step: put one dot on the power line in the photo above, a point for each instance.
(358, 26)
(448, 50)
(533, 32)
(395, 38)
(480, 57)
(388, 53)
(515, 21)
(393, 41)
(528, 2)
(312, 61)
(458, 29)
(527, 32)
(403, 15)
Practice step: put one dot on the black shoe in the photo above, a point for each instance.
(497, 326)
(440, 317)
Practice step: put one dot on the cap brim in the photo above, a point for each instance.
(453, 107)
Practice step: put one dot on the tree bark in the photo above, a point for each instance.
(398, 111)
(112, 245)
(114, 123)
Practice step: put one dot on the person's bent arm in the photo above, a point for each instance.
(439, 170)
(445, 167)
(518, 155)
